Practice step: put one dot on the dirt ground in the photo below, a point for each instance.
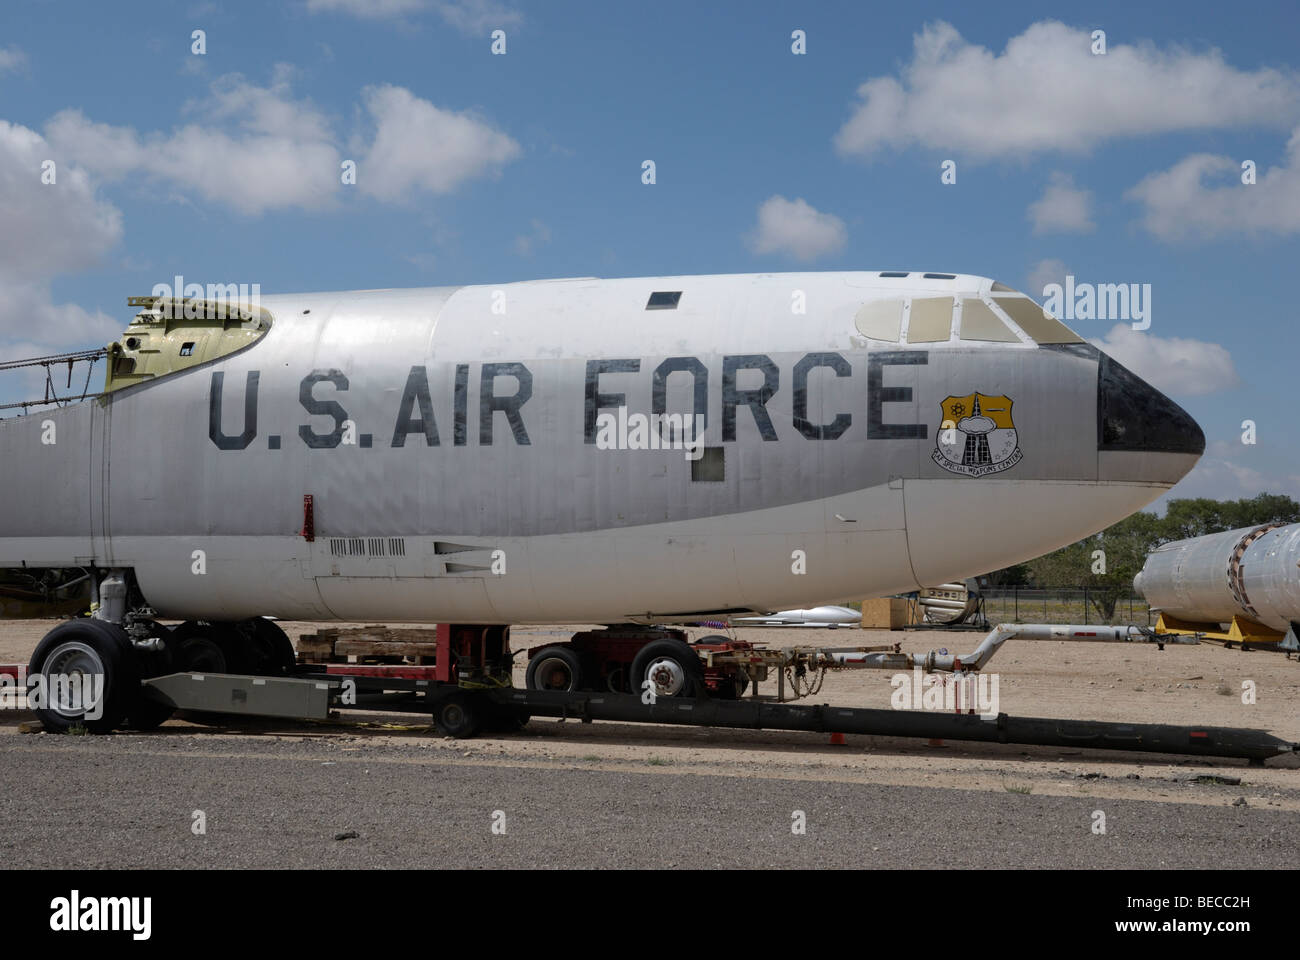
(1136, 682)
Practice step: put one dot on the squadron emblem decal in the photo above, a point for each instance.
(976, 435)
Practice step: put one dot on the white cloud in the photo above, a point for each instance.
(49, 230)
(274, 152)
(368, 9)
(478, 16)
(1220, 478)
(538, 236)
(11, 58)
(468, 16)
(1173, 365)
(1177, 203)
(1047, 92)
(1043, 273)
(797, 229)
(260, 149)
(418, 146)
(1063, 207)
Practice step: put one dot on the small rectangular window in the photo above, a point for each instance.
(940, 276)
(893, 274)
(664, 300)
(711, 466)
(187, 348)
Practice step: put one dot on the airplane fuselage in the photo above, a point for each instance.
(522, 453)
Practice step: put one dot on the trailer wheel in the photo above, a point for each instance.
(733, 686)
(457, 714)
(672, 668)
(86, 648)
(505, 718)
(555, 668)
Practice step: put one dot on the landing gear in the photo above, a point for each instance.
(90, 676)
(255, 647)
(195, 653)
(262, 648)
(147, 714)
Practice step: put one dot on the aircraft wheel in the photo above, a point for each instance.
(672, 668)
(257, 647)
(272, 650)
(457, 714)
(147, 714)
(86, 648)
(197, 654)
(555, 668)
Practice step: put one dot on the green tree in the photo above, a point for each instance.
(1125, 545)
(1104, 563)
(1200, 516)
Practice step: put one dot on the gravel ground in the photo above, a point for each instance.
(276, 792)
(129, 801)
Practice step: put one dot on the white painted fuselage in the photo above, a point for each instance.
(474, 454)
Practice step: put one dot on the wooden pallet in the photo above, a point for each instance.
(368, 644)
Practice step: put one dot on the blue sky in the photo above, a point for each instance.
(477, 168)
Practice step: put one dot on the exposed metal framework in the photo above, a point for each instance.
(51, 389)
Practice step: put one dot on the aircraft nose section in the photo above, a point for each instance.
(1142, 435)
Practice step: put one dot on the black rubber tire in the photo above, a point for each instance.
(113, 649)
(147, 714)
(458, 714)
(272, 650)
(503, 718)
(256, 647)
(199, 654)
(732, 687)
(567, 656)
(678, 651)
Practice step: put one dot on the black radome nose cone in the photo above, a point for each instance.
(1133, 415)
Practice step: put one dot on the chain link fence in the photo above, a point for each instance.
(1026, 605)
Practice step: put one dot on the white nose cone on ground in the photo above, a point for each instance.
(824, 616)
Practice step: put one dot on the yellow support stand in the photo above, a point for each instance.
(1241, 631)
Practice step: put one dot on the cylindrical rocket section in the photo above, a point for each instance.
(1253, 573)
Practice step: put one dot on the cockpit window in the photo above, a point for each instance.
(979, 322)
(880, 320)
(930, 320)
(1002, 288)
(1041, 326)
